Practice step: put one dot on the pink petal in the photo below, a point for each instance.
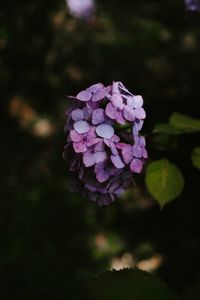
(84, 96)
(136, 165)
(98, 116)
(111, 111)
(121, 145)
(88, 159)
(129, 113)
(75, 136)
(80, 147)
(92, 142)
(77, 115)
(120, 118)
(81, 126)
(105, 131)
(117, 100)
(117, 161)
(127, 153)
(115, 138)
(91, 133)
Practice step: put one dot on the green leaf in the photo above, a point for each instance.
(164, 181)
(127, 284)
(168, 129)
(184, 122)
(196, 157)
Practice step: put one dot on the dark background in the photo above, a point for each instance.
(49, 236)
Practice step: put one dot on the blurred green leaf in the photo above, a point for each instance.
(184, 122)
(164, 181)
(168, 129)
(196, 157)
(127, 284)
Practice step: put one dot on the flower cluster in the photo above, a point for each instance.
(192, 5)
(104, 147)
(82, 9)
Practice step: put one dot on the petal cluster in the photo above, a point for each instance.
(104, 146)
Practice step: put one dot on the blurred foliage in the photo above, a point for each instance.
(50, 237)
(127, 284)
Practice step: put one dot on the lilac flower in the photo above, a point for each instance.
(135, 154)
(81, 142)
(81, 8)
(192, 5)
(100, 153)
(95, 93)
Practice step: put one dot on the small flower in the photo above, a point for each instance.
(82, 141)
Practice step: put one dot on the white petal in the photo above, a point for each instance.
(138, 101)
(81, 127)
(77, 114)
(105, 131)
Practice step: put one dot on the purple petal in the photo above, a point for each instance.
(137, 151)
(95, 87)
(81, 126)
(102, 175)
(87, 112)
(105, 131)
(115, 87)
(77, 115)
(99, 95)
(129, 113)
(80, 147)
(88, 159)
(145, 154)
(138, 101)
(75, 136)
(98, 116)
(127, 153)
(117, 100)
(111, 111)
(117, 161)
(84, 96)
(90, 187)
(142, 141)
(140, 113)
(100, 146)
(137, 126)
(136, 165)
(100, 156)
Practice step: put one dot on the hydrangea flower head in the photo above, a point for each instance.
(104, 146)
